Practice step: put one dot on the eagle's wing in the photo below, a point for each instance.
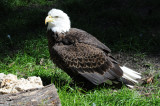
(84, 37)
(89, 61)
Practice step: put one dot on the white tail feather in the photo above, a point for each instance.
(130, 74)
(130, 86)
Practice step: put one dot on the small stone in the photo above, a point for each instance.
(10, 84)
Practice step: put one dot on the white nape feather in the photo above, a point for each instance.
(130, 75)
(61, 22)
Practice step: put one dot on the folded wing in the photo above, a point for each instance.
(88, 61)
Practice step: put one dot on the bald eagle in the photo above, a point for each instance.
(84, 58)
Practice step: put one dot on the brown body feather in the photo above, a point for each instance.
(83, 57)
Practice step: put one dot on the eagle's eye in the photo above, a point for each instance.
(55, 16)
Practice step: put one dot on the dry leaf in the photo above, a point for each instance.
(147, 94)
(41, 61)
(150, 80)
(11, 64)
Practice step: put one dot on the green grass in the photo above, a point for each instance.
(106, 97)
(26, 62)
(122, 28)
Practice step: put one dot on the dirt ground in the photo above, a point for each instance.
(147, 65)
(140, 62)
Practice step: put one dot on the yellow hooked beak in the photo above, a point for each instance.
(48, 19)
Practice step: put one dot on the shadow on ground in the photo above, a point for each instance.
(122, 25)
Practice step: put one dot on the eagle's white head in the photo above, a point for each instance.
(58, 21)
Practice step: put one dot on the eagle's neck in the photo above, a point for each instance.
(59, 26)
